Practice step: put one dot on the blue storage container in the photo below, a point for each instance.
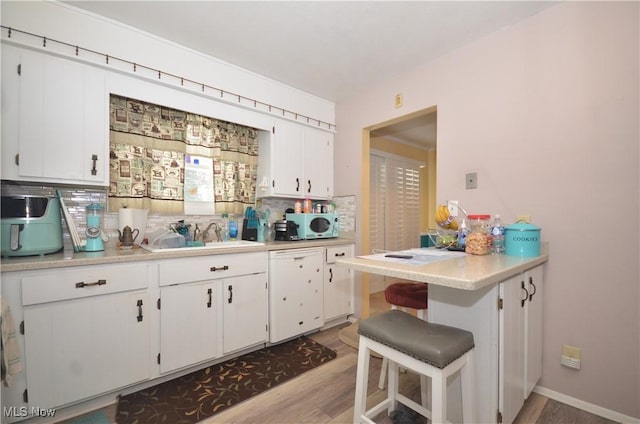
(522, 239)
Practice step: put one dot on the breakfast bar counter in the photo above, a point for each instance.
(499, 299)
(459, 271)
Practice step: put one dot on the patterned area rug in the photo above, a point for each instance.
(203, 393)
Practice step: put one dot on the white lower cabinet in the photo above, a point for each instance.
(86, 332)
(534, 282)
(211, 306)
(93, 330)
(520, 340)
(244, 306)
(188, 324)
(295, 292)
(506, 321)
(338, 283)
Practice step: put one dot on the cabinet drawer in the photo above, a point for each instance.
(83, 281)
(176, 271)
(338, 252)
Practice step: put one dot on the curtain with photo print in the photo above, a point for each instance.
(151, 146)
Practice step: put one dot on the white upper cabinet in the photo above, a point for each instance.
(318, 161)
(296, 161)
(61, 110)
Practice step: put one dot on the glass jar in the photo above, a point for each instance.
(306, 206)
(478, 241)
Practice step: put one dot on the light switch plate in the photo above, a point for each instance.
(471, 180)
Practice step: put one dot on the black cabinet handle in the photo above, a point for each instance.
(219, 268)
(331, 275)
(139, 304)
(309, 184)
(94, 159)
(337, 255)
(230, 299)
(209, 292)
(526, 295)
(297, 184)
(82, 284)
(535, 289)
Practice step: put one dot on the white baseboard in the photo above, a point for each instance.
(585, 406)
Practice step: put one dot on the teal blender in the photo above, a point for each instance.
(95, 215)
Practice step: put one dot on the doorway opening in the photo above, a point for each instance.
(407, 146)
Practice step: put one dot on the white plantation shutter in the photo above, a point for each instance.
(377, 181)
(394, 203)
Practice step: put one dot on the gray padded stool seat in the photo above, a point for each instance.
(429, 349)
(435, 344)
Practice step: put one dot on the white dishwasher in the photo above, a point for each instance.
(295, 292)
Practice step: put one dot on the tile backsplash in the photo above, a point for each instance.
(78, 198)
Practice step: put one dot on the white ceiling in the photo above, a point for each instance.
(332, 49)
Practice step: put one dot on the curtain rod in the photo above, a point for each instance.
(222, 94)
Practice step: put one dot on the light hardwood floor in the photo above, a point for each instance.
(325, 394)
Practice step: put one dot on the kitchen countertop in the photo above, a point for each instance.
(466, 272)
(110, 255)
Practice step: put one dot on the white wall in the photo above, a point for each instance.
(547, 113)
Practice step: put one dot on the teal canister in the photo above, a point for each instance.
(522, 239)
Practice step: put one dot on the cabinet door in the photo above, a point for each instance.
(244, 305)
(81, 348)
(338, 284)
(318, 163)
(533, 328)
(296, 295)
(511, 363)
(287, 159)
(10, 111)
(188, 324)
(62, 121)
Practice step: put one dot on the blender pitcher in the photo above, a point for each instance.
(95, 215)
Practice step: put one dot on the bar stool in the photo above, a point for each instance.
(434, 350)
(402, 296)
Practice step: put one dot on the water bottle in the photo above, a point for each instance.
(497, 236)
(462, 234)
(233, 229)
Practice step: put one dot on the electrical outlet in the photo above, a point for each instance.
(471, 180)
(398, 100)
(523, 218)
(453, 207)
(571, 356)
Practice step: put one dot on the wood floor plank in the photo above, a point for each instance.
(531, 409)
(557, 412)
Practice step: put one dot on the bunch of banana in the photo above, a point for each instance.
(444, 218)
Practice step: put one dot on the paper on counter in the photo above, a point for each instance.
(420, 256)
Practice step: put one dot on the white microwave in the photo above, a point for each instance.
(315, 225)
